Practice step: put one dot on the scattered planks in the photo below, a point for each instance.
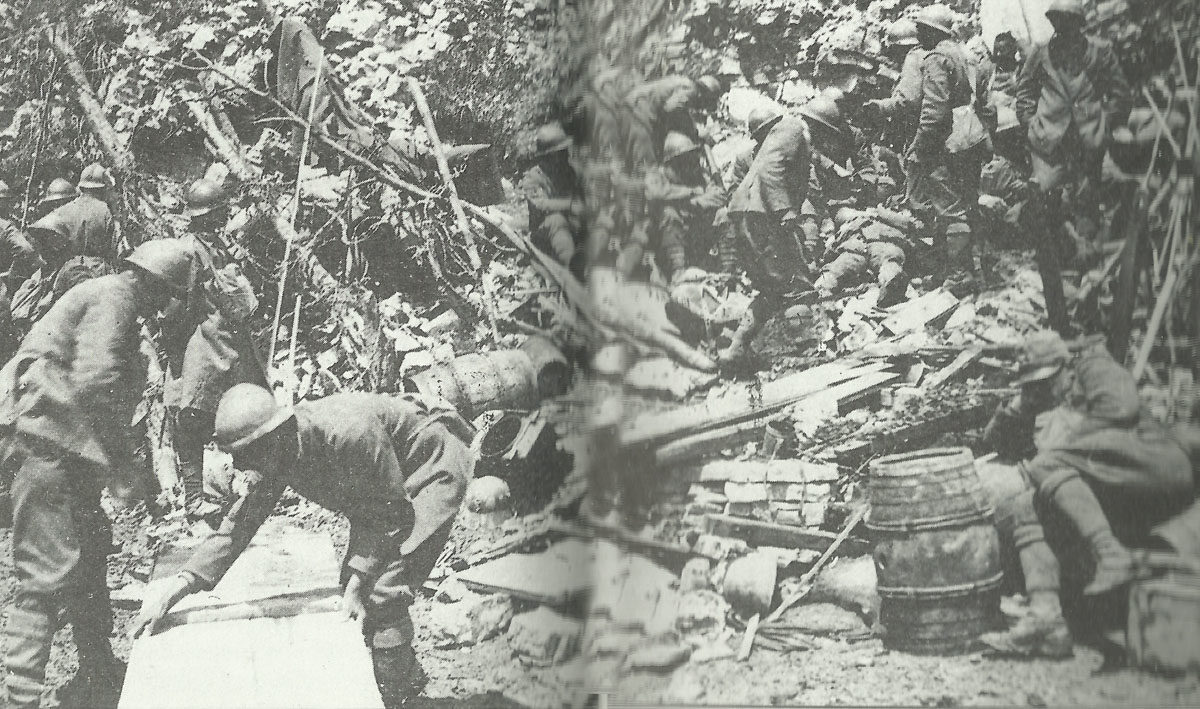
(758, 533)
(919, 312)
(855, 452)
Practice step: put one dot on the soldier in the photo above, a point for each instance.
(833, 180)
(207, 344)
(1003, 181)
(394, 465)
(1061, 97)
(866, 246)
(57, 194)
(662, 105)
(18, 261)
(1101, 467)
(683, 200)
(905, 51)
(765, 209)
(81, 236)
(68, 397)
(555, 202)
(758, 122)
(938, 181)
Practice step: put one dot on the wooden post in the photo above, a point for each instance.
(460, 216)
(110, 142)
(1133, 257)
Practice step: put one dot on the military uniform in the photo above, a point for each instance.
(1060, 98)
(67, 400)
(766, 207)
(649, 122)
(555, 212)
(397, 468)
(685, 229)
(866, 247)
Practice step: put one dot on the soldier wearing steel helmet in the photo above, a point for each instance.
(938, 180)
(555, 200)
(683, 200)
(18, 261)
(58, 192)
(208, 348)
(1063, 98)
(1099, 470)
(66, 402)
(396, 466)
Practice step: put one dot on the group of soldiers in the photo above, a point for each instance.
(396, 466)
(964, 145)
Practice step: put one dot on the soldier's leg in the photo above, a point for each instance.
(887, 260)
(1063, 489)
(1043, 216)
(389, 630)
(46, 551)
(193, 429)
(671, 236)
(847, 267)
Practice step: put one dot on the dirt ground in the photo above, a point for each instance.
(833, 672)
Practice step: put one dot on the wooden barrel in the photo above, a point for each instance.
(937, 553)
(1164, 612)
(481, 382)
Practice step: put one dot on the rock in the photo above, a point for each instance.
(695, 575)
(685, 688)
(750, 582)
(701, 613)
(823, 619)
(604, 639)
(452, 591)
(470, 621)
(545, 637)
(849, 583)
(487, 494)
(658, 657)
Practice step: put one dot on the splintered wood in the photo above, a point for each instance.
(268, 635)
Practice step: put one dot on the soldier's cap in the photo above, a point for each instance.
(1044, 355)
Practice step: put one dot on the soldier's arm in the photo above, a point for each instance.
(1119, 91)
(1029, 87)
(660, 189)
(100, 361)
(213, 556)
(372, 533)
(936, 117)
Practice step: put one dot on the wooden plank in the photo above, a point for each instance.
(919, 312)
(266, 636)
(758, 533)
(943, 375)
(554, 577)
(673, 556)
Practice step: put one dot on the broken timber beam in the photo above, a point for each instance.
(854, 453)
(758, 533)
(110, 142)
(222, 144)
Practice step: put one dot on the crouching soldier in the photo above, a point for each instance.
(555, 202)
(683, 200)
(395, 466)
(866, 247)
(67, 400)
(1102, 473)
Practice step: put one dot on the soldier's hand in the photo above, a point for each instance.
(353, 607)
(709, 199)
(160, 597)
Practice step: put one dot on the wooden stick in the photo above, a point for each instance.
(287, 248)
(93, 112)
(748, 638)
(460, 216)
(295, 330)
(806, 581)
(1166, 295)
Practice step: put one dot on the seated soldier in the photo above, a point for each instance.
(1101, 475)
(555, 205)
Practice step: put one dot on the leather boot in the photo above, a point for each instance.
(1042, 630)
(1114, 564)
(28, 637)
(628, 259)
(739, 344)
(398, 675)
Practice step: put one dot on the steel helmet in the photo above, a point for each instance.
(709, 84)
(247, 412)
(94, 177)
(1066, 7)
(60, 190)
(550, 138)
(761, 120)
(203, 197)
(677, 144)
(1044, 355)
(938, 17)
(824, 110)
(172, 261)
(902, 33)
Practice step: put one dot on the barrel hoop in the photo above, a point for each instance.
(963, 589)
(948, 520)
